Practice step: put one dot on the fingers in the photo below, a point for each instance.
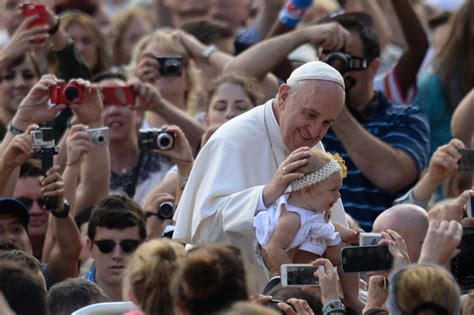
(301, 306)
(148, 68)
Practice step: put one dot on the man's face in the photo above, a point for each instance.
(28, 190)
(13, 231)
(111, 266)
(306, 111)
(363, 78)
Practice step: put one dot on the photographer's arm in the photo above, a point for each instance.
(95, 168)
(64, 257)
(256, 61)
(461, 123)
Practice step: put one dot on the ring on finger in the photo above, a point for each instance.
(285, 171)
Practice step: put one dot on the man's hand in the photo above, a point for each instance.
(285, 175)
(181, 153)
(20, 149)
(52, 186)
(445, 161)
(397, 248)
(25, 39)
(441, 242)
(78, 143)
(453, 210)
(329, 36)
(34, 108)
(90, 111)
(378, 292)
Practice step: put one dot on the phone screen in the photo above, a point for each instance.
(366, 258)
(300, 275)
(462, 266)
(466, 163)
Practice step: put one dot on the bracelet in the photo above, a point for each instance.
(55, 28)
(334, 306)
(14, 130)
(206, 54)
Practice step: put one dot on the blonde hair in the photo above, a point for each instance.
(419, 284)
(163, 38)
(120, 22)
(150, 273)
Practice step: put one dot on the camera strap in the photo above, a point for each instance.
(131, 186)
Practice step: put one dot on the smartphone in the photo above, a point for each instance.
(466, 163)
(366, 239)
(462, 266)
(29, 9)
(298, 275)
(366, 258)
(118, 95)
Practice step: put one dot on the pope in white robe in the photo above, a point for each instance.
(226, 184)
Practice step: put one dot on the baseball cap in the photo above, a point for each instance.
(15, 207)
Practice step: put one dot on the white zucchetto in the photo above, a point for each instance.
(316, 70)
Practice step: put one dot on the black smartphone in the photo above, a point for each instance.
(366, 258)
(466, 163)
(462, 266)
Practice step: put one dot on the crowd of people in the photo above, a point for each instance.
(174, 156)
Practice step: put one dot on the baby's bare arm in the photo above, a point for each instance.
(285, 231)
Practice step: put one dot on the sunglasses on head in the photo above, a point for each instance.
(107, 246)
(28, 202)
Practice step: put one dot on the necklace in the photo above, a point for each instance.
(268, 136)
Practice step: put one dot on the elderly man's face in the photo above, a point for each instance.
(307, 110)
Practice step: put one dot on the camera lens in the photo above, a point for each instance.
(172, 67)
(165, 210)
(47, 133)
(338, 60)
(71, 93)
(165, 141)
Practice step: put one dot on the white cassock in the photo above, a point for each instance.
(221, 195)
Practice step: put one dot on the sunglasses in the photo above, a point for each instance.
(28, 202)
(107, 246)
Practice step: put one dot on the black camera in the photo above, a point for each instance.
(170, 66)
(165, 210)
(155, 139)
(343, 62)
(43, 139)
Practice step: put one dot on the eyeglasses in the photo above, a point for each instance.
(28, 202)
(107, 246)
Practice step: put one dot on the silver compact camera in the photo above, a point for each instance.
(43, 137)
(99, 136)
(155, 139)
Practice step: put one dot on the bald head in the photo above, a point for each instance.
(410, 221)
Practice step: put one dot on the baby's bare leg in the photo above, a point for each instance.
(349, 281)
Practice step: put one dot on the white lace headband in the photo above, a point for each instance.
(316, 177)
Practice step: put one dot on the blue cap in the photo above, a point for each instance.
(16, 208)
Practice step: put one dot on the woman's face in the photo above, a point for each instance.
(136, 29)
(229, 100)
(171, 88)
(15, 84)
(85, 44)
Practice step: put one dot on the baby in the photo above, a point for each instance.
(298, 222)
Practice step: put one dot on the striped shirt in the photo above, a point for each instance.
(402, 127)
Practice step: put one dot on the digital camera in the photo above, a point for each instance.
(99, 136)
(155, 139)
(43, 137)
(343, 62)
(170, 66)
(66, 93)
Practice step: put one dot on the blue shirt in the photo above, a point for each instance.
(403, 127)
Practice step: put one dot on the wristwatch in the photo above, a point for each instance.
(334, 306)
(206, 54)
(14, 130)
(62, 214)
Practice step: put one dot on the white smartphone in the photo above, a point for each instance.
(368, 239)
(298, 275)
(470, 203)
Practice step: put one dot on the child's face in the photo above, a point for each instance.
(323, 195)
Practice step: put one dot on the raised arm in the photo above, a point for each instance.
(64, 257)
